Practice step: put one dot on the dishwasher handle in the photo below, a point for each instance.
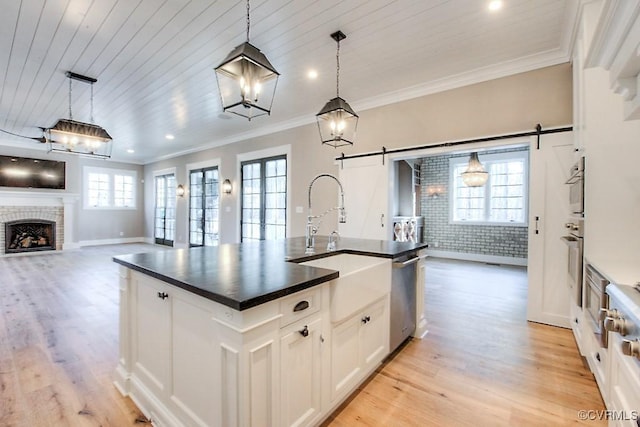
(406, 263)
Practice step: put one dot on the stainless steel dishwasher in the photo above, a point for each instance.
(403, 299)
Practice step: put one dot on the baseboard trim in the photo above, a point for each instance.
(495, 259)
(111, 241)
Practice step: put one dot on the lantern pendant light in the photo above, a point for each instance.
(72, 136)
(337, 122)
(247, 80)
(475, 175)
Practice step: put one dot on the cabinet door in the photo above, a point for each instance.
(152, 334)
(300, 370)
(345, 356)
(374, 334)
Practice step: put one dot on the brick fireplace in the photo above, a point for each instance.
(33, 222)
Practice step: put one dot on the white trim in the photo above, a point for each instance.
(112, 173)
(118, 241)
(203, 165)
(487, 159)
(160, 172)
(494, 259)
(255, 155)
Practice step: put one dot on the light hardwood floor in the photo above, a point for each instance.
(481, 364)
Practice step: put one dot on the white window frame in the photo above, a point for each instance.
(487, 160)
(111, 173)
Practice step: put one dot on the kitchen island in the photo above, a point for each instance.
(249, 334)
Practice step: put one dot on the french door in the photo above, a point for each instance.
(165, 210)
(264, 199)
(204, 207)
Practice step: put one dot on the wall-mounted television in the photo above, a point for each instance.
(31, 173)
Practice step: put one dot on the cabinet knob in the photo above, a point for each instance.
(305, 331)
(631, 348)
(604, 313)
(616, 325)
(163, 295)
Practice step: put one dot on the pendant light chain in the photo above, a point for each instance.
(70, 113)
(248, 21)
(338, 70)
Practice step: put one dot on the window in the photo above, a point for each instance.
(501, 201)
(109, 188)
(264, 199)
(204, 207)
(165, 209)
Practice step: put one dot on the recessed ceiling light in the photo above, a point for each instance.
(131, 151)
(169, 136)
(312, 74)
(495, 5)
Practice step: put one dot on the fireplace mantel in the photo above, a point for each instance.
(36, 198)
(67, 201)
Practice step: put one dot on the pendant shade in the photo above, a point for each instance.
(475, 175)
(79, 138)
(247, 82)
(337, 121)
(72, 136)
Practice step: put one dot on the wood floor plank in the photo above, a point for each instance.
(482, 363)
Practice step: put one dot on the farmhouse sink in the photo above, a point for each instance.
(363, 280)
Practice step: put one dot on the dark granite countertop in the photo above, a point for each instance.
(246, 275)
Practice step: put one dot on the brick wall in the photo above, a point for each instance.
(50, 213)
(506, 241)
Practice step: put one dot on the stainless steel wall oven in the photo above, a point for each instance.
(574, 241)
(576, 189)
(596, 302)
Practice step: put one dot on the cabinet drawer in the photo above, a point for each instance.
(299, 305)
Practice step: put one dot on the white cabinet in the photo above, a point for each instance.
(359, 344)
(189, 361)
(301, 355)
(624, 389)
(152, 338)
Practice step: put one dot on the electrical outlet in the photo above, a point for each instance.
(436, 244)
(121, 233)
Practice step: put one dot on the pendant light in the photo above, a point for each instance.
(72, 136)
(246, 80)
(337, 122)
(475, 175)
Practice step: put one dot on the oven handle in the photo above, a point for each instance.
(571, 241)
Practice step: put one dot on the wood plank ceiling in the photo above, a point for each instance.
(154, 60)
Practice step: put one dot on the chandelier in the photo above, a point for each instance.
(76, 137)
(475, 175)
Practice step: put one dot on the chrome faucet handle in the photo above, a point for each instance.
(331, 246)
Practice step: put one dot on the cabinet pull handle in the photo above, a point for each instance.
(304, 332)
(366, 319)
(163, 295)
(302, 305)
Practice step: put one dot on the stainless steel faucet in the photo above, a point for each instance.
(331, 246)
(312, 228)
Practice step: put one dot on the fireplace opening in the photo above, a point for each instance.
(29, 235)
